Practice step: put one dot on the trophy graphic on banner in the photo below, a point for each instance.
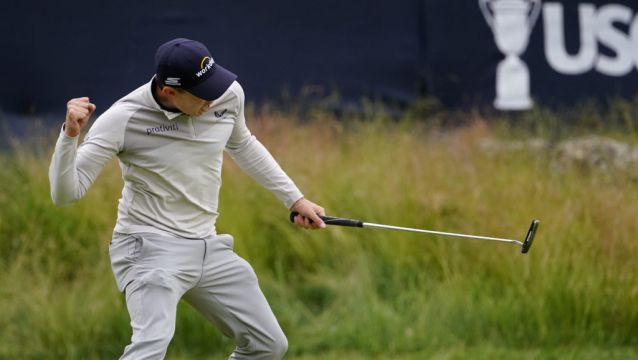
(511, 22)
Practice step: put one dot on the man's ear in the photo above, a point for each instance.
(168, 91)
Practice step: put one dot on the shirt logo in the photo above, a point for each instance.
(220, 113)
(205, 65)
(161, 129)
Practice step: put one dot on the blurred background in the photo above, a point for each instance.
(468, 116)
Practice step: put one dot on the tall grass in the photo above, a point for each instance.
(357, 293)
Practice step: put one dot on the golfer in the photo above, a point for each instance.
(169, 136)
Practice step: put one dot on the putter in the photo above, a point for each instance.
(525, 245)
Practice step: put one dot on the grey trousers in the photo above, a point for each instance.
(156, 271)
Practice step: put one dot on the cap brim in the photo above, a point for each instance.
(215, 86)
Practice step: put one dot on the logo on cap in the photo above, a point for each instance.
(175, 81)
(205, 65)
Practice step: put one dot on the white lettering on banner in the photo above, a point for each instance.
(618, 42)
(555, 50)
(595, 26)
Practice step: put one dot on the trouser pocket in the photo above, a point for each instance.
(227, 240)
(124, 250)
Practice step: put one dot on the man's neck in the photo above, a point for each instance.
(160, 99)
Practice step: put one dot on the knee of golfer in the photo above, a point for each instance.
(275, 348)
(279, 347)
(267, 344)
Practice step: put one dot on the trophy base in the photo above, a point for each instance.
(513, 104)
(512, 85)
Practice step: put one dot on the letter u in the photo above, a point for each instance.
(555, 50)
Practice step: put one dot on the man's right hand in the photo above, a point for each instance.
(78, 112)
(308, 214)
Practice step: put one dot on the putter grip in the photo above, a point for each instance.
(331, 220)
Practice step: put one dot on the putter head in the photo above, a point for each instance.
(529, 238)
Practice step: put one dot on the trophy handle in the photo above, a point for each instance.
(536, 10)
(485, 9)
(533, 14)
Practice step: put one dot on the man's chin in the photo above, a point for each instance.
(194, 113)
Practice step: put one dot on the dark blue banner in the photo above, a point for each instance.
(511, 54)
(52, 51)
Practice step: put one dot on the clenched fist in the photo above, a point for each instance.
(78, 112)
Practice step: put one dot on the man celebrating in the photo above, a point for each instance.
(169, 136)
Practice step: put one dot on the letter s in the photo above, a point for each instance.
(618, 42)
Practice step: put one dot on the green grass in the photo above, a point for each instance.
(357, 293)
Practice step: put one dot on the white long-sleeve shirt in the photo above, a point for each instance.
(171, 162)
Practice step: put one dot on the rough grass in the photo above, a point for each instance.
(358, 293)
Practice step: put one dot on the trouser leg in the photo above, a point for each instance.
(154, 271)
(229, 296)
(152, 305)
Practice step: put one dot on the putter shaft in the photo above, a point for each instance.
(477, 237)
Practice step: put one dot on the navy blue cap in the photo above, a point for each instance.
(187, 64)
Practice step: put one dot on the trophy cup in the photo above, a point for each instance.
(511, 22)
